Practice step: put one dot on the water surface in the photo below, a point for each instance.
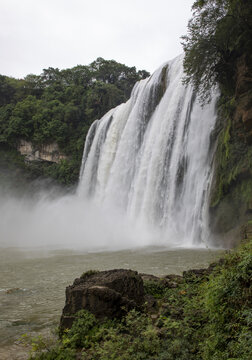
(33, 281)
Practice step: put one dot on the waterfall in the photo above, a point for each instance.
(150, 159)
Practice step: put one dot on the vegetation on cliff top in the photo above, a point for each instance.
(218, 52)
(60, 105)
(219, 32)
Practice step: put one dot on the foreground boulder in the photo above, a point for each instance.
(105, 294)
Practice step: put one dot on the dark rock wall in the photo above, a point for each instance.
(106, 294)
(231, 196)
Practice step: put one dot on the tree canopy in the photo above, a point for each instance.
(60, 105)
(219, 32)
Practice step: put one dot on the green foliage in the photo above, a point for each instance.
(45, 348)
(101, 97)
(154, 288)
(218, 33)
(218, 50)
(83, 332)
(209, 317)
(135, 338)
(88, 273)
(227, 300)
(132, 338)
(65, 172)
(20, 121)
(60, 105)
(57, 354)
(11, 90)
(205, 317)
(233, 159)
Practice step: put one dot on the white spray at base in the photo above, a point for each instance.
(145, 178)
(150, 160)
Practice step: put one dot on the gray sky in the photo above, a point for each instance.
(36, 34)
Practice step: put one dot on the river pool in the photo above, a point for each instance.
(33, 282)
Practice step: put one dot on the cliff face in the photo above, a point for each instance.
(243, 95)
(49, 152)
(231, 201)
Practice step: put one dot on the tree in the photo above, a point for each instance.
(60, 105)
(7, 91)
(100, 98)
(34, 85)
(20, 123)
(219, 32)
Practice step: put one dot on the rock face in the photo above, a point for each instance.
(105, 294)
(112, 293)
(243, 113)
(168, 281)
(49, 152)
(231, 200)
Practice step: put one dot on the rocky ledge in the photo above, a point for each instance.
(46, 152)
(106, 294)
(111, 294)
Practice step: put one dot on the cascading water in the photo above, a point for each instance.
(144, 180)
(150, 159)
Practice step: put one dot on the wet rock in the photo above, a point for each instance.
(106, 294)
(149, 277)
(195, 273)
(174, 278)
(172, 281)
(200, 273)
(168, 281)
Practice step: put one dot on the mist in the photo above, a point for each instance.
(146, 170)
(43, 215)
(48, 217)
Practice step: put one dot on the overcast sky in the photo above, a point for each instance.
(36, 34)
